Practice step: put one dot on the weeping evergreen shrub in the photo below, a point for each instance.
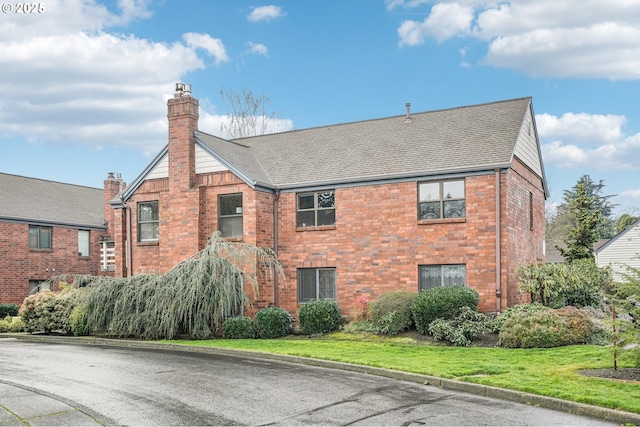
(238, 328)
(319, 316)
(273, 322)
(193, 298)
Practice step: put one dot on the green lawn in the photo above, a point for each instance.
(549, 372)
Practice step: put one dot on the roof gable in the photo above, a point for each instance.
(32, 200)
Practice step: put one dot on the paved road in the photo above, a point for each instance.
(155, 387)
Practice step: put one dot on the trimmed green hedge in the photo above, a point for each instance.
(319, 317)
(443, 302)
(273, 322)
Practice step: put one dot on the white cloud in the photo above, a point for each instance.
(257, 49)
(561, 38)
(588, 141)
(265, 13)
(214, 47)
(444, 21)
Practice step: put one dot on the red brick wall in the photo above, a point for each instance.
(521, 244)
(19, 264)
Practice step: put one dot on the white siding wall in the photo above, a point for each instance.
(622, 251)
(204, 164)
(527, 146)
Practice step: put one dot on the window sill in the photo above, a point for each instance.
(233, 239)
(40, 250)
(154, 243)
(318, 228)
(441, 221)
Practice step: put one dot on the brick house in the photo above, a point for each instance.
(50, 228)
(449, 197)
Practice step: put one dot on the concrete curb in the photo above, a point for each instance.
(606, 414)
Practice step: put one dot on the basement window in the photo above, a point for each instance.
(230, 215)
(40, 237)
(148, 222)
(316, 284)
(441, 199)
(316, 209)
(432, 276)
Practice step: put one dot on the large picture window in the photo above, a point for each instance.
(230, 215)
(148, 222)
(316, 209)
(316, 283)
(432, 276)
(39, 237)
(441, 199)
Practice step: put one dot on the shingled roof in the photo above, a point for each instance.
(457, 140)
(39, 201)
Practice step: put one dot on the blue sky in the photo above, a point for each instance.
(84, 84)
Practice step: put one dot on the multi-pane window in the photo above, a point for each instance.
(230, 215)
(316, 283)
(39, 237)
(441, 199)
(83, 242)
(316, 209)
(148, 222)
(36, 286)
(432, 276)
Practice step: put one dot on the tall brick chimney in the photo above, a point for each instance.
(183, 112)
(113, 186)
(180, 207)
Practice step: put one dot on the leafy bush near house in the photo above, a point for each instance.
(443, 302)
(238, 328)
(547, 328)
(579, 283)
(462, 330)
(78, 321)
(8, 310)
(319, 316)
(4, 325)
(48, 311)
(16, 325)
(391, 313)
(497, 322)
(273, 322)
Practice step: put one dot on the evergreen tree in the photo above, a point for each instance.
(625, 221)
(606, 226)
(584, 210)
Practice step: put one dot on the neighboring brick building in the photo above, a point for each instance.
(50, 228)
(450, 197)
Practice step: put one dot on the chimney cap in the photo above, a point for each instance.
(183, 89)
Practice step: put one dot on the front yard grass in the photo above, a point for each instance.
(549, 372)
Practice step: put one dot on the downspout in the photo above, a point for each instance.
(275, 246)
(127, 214)
(498, 247)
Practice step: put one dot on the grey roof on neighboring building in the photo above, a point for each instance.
(39, 201)
(457, 140)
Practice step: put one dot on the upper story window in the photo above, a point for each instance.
(40, 237)
(441, 199)
(83, 242)
(432, 276)
(316, 209)
(230, 215)
(148, 222)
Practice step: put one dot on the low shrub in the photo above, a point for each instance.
(319, 316)
(8, 310)
(78, 321)
(497, 322)
(443, 302)
(238, 328)
(273, 322)
(391, 313)
(462, 330)
(16, 325)
(4, 325)
(547, 328)
(48, 311)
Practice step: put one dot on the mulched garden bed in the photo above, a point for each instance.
(621, 374)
